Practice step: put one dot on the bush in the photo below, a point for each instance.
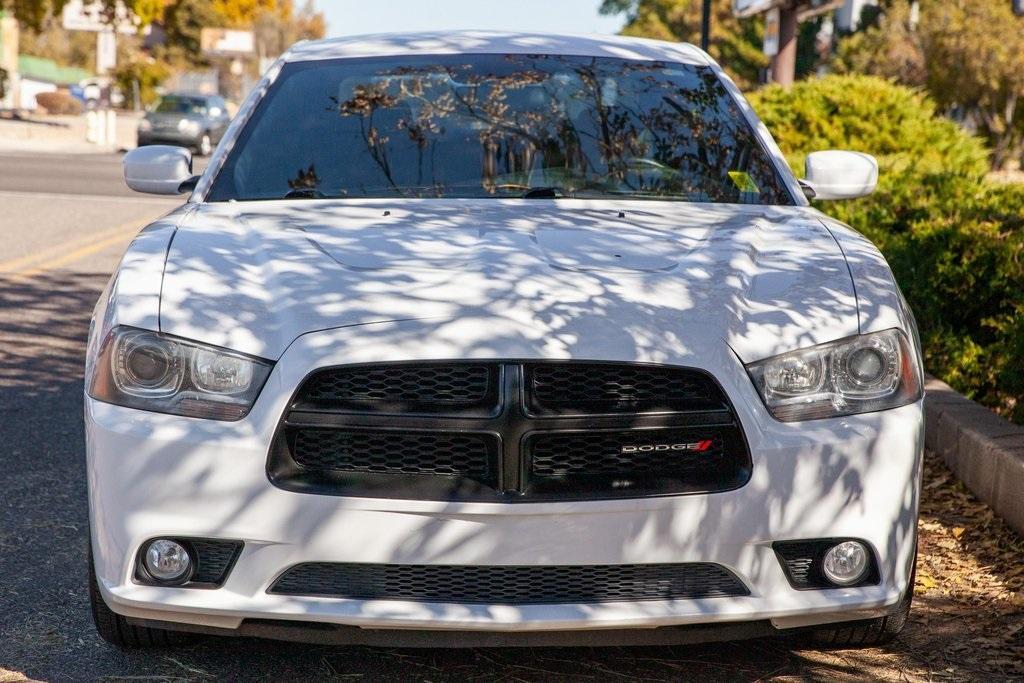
(142, 73)
(955, 241)
(58, 102)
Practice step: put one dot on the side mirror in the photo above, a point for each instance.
(158, 169)
(835, 174)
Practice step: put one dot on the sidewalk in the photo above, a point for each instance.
(63, 135)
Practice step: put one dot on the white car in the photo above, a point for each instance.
(501, 339)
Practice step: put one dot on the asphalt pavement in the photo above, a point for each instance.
(64, 222)
(78, 174)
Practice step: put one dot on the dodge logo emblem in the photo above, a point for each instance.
(699, 446)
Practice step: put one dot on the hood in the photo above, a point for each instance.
(597, 279)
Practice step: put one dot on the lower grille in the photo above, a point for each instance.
(514, 585)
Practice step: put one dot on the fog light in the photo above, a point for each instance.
(846, 563)
(167, 560)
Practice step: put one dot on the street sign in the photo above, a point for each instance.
(225, 42)
(81, 16)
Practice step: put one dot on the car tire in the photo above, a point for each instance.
(867, 632)
(116, 630)
(205, 145)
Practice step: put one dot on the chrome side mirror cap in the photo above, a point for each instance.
(838, 174)
(158, 169)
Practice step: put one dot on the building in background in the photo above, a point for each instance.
(38, 75)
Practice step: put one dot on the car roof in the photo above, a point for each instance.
(492, 42)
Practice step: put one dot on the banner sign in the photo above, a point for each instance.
(226, 42)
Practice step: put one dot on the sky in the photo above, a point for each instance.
(348, 17)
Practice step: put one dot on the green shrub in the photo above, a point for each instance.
(896, 124)
(955, 241)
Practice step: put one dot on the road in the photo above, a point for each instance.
(79, 174)
(64, 222)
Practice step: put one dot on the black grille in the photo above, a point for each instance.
(574, 388)
(214, 559)
(514, 585)
(681, 452)
(399, 387)
(509, 432)
(465, 455)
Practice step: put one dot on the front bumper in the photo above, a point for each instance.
(152, 475)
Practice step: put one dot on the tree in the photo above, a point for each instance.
(33, 13)
(887, 47)
(735, 43)
(243, 13)
(143, 73)
(969, 54)
(70, 48)
(183, 21)
(275, 31)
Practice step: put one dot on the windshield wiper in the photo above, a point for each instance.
(545, 192)
(304, 193)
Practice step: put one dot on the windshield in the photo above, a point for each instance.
(499, 126)
(175, 104)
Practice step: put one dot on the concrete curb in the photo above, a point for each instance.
(985, 451)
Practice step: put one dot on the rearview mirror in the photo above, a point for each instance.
(158, 169)
(836, 174)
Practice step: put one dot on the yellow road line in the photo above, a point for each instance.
(56, 256)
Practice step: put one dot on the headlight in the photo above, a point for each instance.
(188, 126)
(151, 371)
(145, 125)
(862, 374)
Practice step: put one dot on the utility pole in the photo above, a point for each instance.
(784, 61)
(705, 25)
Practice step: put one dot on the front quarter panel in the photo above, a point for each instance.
(880, 304)
(132, 295)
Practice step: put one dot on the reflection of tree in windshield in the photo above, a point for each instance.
(305, 178)
(664, 139)
(501, 125)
